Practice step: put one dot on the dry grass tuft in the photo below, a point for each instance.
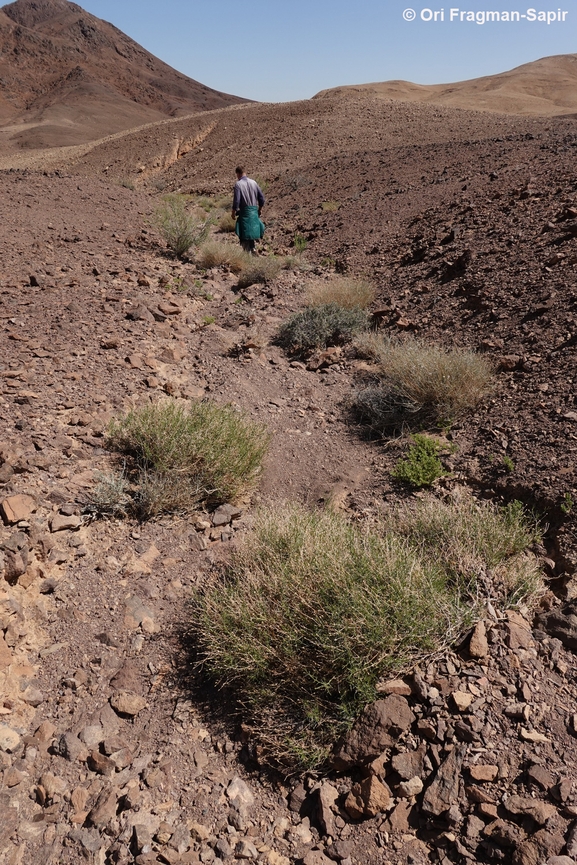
(420, 384)
(226, 223)
(313, 610)
(218, 254)
(345, 291)
(259, 269)
(184, 455)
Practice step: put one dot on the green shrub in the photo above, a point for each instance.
(300, 242)
(422, 467)
(177, 227)
(345, 291)
(313, 610)
(320, 326)
(184, 455)
(508, 464)
(420, 384)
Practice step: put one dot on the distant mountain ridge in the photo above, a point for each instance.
(67, 77)
(544, 87)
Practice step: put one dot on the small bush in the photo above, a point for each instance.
(330, 206)
(215, 254)
(420, 384)
(259, 269)
(300, 242)
(422, 467)
(346, 292)
(177, 227)
(314, 610)
(183, 455)
(320, 326)
(110, 497)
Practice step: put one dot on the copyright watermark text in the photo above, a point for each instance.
(456, 15)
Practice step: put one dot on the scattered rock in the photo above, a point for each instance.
(367, 799)
(377, 728)
(478, 644)
(9, 739)
(13, 509)
(126, 703)
(444, 790)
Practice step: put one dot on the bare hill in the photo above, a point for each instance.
(68, 77)
(547, 87)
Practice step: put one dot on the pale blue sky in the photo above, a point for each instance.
(277, 51)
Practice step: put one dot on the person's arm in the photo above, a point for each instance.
(260, 199)
(235, 201)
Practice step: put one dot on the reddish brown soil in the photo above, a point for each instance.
(468, 231)
(69, 77)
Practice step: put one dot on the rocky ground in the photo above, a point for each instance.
(110, 751)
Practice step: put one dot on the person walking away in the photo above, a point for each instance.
(247, 204)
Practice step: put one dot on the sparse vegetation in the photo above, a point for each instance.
(422, 466)
(300, 243)
(508, 464)
(208, 319)
(178, 228)
(313, 610)
(567, 503)
(183, 455)
(127, 183)
(420, 384)
(110, 497)
(330, 206)
(345, 291)
(320, 326)
(259, 269)
(215, 254)
(226, 223)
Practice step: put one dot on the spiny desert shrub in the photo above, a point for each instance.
(184, 455)
(422, 465)
(178, 228)
(345, 291)
(420, 384)
(320, 326)
(313, 610)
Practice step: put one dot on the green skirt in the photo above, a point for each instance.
(248, 225)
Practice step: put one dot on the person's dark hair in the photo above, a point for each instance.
(239, 169)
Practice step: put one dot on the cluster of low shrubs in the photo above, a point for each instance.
(313, 609)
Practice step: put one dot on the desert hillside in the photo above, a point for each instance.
(543, 87)
(68, 77)
(287, 541)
